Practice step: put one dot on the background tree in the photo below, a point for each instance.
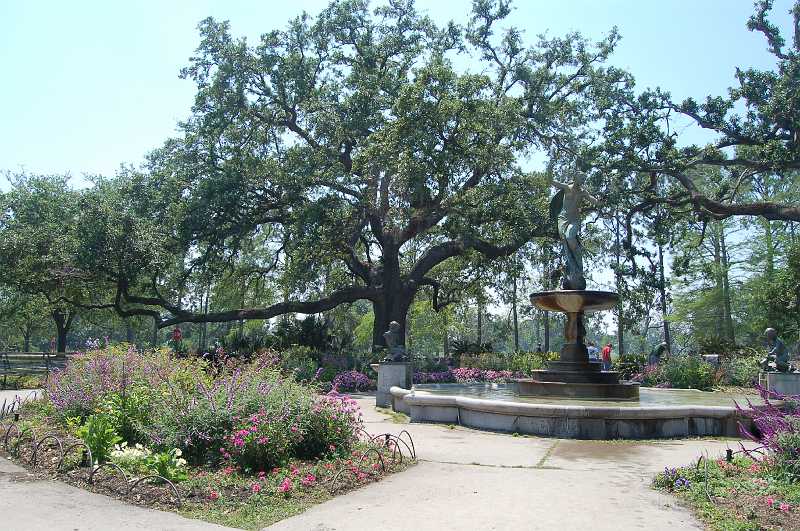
(39, 249)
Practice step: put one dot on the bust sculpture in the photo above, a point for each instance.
(395, 350)
(777, 359)
(566, 208)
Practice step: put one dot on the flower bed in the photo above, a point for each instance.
(465, 374)
(352, 381)
(752, 488)
(240, 444)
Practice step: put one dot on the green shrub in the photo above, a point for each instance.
(205, 412)
(299, 361)
(629, 365)
(681, 372)
(169, 465)
(331, 426)
(485, 360)
(99, 435)
(741, 371)
(129, 412)
(517, 362)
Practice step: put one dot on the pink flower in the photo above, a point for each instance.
(309, 480)
(213, 495)
(261, 474)
(256, 488)
(285, 486)
(770, 502)
(294, 429)
(785, 507)
(228, 470)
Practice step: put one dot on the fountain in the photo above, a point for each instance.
(573, 397)
(574, 375)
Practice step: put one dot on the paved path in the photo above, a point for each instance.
(465, 480)
(469, 479)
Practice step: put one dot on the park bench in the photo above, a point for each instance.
(30, 364)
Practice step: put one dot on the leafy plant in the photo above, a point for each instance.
(100, 436)
(133, 459)
(169, 465)
(630, 365)
(128, 411)
(680, 372)
(742, 370)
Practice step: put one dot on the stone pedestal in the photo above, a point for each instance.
(785, 383)
(390, 374)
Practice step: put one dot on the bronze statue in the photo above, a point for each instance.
(395, 350)
(777, 359)
(566, 208)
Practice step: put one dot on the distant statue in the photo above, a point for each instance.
(777, 359)
(395, 350)
(657, 353)
(566, 208)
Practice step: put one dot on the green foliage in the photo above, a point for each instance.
(682, 372)
(133, 459)
(329, 428)
(168, 464)
(629, 365)
(743, 495)
(100, 436)
(300, 361)
(517, 361)
(460, 348)
(128, 412)
(742, 370)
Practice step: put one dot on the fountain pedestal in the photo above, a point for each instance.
(573, 375)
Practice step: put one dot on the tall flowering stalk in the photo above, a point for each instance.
(777, 429)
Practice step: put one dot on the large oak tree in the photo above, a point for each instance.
(363, 148)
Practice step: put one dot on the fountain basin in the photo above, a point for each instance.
(574, 301)
(659, 413)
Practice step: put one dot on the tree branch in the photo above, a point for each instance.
(341, 296)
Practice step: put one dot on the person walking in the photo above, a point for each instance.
(593, 351)
(606, 354)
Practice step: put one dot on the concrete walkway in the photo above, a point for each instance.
(465, 480)
(469, 479)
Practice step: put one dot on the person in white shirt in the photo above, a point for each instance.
(593, 351)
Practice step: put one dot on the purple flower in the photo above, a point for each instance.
(350, 381)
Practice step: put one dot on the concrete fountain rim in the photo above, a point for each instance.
(571, 421)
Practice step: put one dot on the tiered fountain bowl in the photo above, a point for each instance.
(573, 375)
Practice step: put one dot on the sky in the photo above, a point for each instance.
(91, 85)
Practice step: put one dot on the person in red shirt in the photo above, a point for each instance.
(606, 354)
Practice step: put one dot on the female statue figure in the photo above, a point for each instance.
(566, 208)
